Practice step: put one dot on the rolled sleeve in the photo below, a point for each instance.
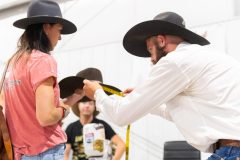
(41, 70)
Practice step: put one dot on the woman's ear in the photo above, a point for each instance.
(46, 28)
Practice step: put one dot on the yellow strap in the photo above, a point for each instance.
(127, 142)
(105, 88)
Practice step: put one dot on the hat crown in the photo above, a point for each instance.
(166, 23)
(44, 8)
(171, 17)
(91, 74)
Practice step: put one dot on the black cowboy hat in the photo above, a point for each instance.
(45, 11)
(68, 86)
(167, 23)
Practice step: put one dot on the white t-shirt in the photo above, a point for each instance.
(201, 90)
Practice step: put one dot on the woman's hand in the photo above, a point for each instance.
(75, 97)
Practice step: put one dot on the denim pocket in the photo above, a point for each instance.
(25, 157)
(58, 157)
(59, 150)
(215, 157)
(55, 153)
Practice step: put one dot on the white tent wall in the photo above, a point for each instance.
(98, 43)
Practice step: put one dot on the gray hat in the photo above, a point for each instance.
(45, 11)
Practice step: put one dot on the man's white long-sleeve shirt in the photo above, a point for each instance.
(201, 90)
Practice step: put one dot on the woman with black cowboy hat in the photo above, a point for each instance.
(199, 86)
(85, 109)
(33, 109)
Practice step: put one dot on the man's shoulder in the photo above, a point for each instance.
(189, 54)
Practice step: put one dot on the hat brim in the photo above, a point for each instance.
(134, 40)
(68, 27)
(68, 86)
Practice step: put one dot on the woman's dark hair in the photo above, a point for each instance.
(34, 38)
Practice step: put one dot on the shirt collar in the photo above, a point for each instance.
(182, 44)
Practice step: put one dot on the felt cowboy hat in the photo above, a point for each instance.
(166, 23)
(45, 11)
(68, 85)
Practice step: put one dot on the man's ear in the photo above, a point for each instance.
(161, 40)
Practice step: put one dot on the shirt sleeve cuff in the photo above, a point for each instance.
(99, 95)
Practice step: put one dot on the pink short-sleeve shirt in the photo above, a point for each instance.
(21, 82)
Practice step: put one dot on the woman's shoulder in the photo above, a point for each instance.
(37, 55)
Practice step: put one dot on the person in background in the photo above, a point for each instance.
(31, 93)
(199, 86)
(86, 111)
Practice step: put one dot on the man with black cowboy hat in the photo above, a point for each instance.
(31, 92)
(86, 111)
(199, 86)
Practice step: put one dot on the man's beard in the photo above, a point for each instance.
(160, 53)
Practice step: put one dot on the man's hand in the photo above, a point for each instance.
(90, 88)
(127, 91)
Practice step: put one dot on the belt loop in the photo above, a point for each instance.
(216, 146)
(64, 144)
(229, 149)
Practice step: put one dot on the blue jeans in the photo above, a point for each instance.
(55, 153)
(226, 153)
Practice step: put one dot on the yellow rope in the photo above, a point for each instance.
(110, 90)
